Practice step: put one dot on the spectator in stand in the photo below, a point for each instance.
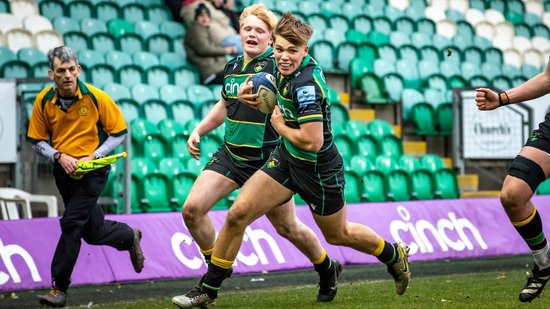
(228, 8)
(202, 50)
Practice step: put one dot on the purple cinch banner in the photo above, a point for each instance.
(437, 229)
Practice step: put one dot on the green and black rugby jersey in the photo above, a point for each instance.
(302, 98)
(248, 132)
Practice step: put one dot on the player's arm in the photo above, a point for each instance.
(245, 95)
(539, 85)
(214, 118)
(309, 136)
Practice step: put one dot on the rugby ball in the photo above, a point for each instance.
(264, 84)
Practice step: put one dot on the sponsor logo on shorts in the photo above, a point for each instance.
(272, 163)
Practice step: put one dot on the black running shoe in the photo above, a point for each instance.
(197, 297)
(535, 284)
(328, 288)
(400, 270)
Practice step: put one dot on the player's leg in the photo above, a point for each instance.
(208, 189)
(283, 218)
(527, 171)
(259, 194)
(338, 231)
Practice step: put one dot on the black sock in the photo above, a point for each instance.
(324, 268)
(212, 280)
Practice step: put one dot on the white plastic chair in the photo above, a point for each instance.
(522, 44)
(19, 38)
(9, 208)
(37, 23)
(434, 13)
(47, 39)
(459, 5)
(534, 57)
(474, 16)
(494, 16)
(512, 56)
(9, 21)
(400, 4)
(19, 196)
(540, 43)
(502, 42)
(440, 4)
(446, 28)
(535, 7)
(504, 28)
(485, 30)
(23, 8)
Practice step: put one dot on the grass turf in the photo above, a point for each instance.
(488, 283)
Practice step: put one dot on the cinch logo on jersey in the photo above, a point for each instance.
(232, 84)
(306, 95)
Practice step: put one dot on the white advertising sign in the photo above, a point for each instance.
(8, 125)
(496, 134)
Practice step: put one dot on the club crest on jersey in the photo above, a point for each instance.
(83, 111)
(235, 65)
(285, 89)
(272, 163)
(260, 66)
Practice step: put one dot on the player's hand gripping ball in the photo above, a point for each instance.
(264, 84)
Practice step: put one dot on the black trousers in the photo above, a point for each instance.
(83, 219)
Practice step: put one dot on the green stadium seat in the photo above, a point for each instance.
(117, 59)
(92, 26)
(6, 55)
(422, 185)
(399, 187)
(170, 167)
(133, 12)
(541, 30)
(444, 118)
(377, 38)
(423, 117)
(352, 190)
(172, 60)
(143, 92)
(16, 69)
(383, 66)
(374, 9)
(415, 12)
(181, 185)
(367, 146)
(426, 26)
(106, 11)
(374, 187)
(145, 29)
(199, 94)
(340, 22)
(345, 147)
(101, 75)
(308, 8)
(405, 25)
(409, 98)
(194, 166)
(209, 145)
(130, 75)
(518, 80)
(386, 164)
(31, 55)
(5, 6)
(145, 59)
(355, 36)
(501, 82)
(156, 194)
(478, 81)
(158, 44)
(434, 96)
(158, 75)
(117, 91)
(170, 128)
(63, 24)
(142, 166)
(102, 42)
(358, 67)
(345, 53)
(179, 147)
(185, 76)
(457, 81)
(409, 53)
(323, 52)
(130, 43)
(79, 10)
(382, 24)
(332, 95)
(446, 184)
(158, 13)
(155, 147)
(172, 28)
(119, 27)
(155, 110)
(529, 71)
(436, 81)
(89, 57)
(171, 93)
(141, 129)
(51, 8)
(339, 114)
(368, 51)
(379, 128)
(129, 108)
(355, 129)
(409, 163)
(359, 164)
(350, 10)
(432, 162)
(362, 24)
(409, 73)
(182, 110)
(40, 69)
(390, 145)
(76, 40)
(373, 89)
(544, 187)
